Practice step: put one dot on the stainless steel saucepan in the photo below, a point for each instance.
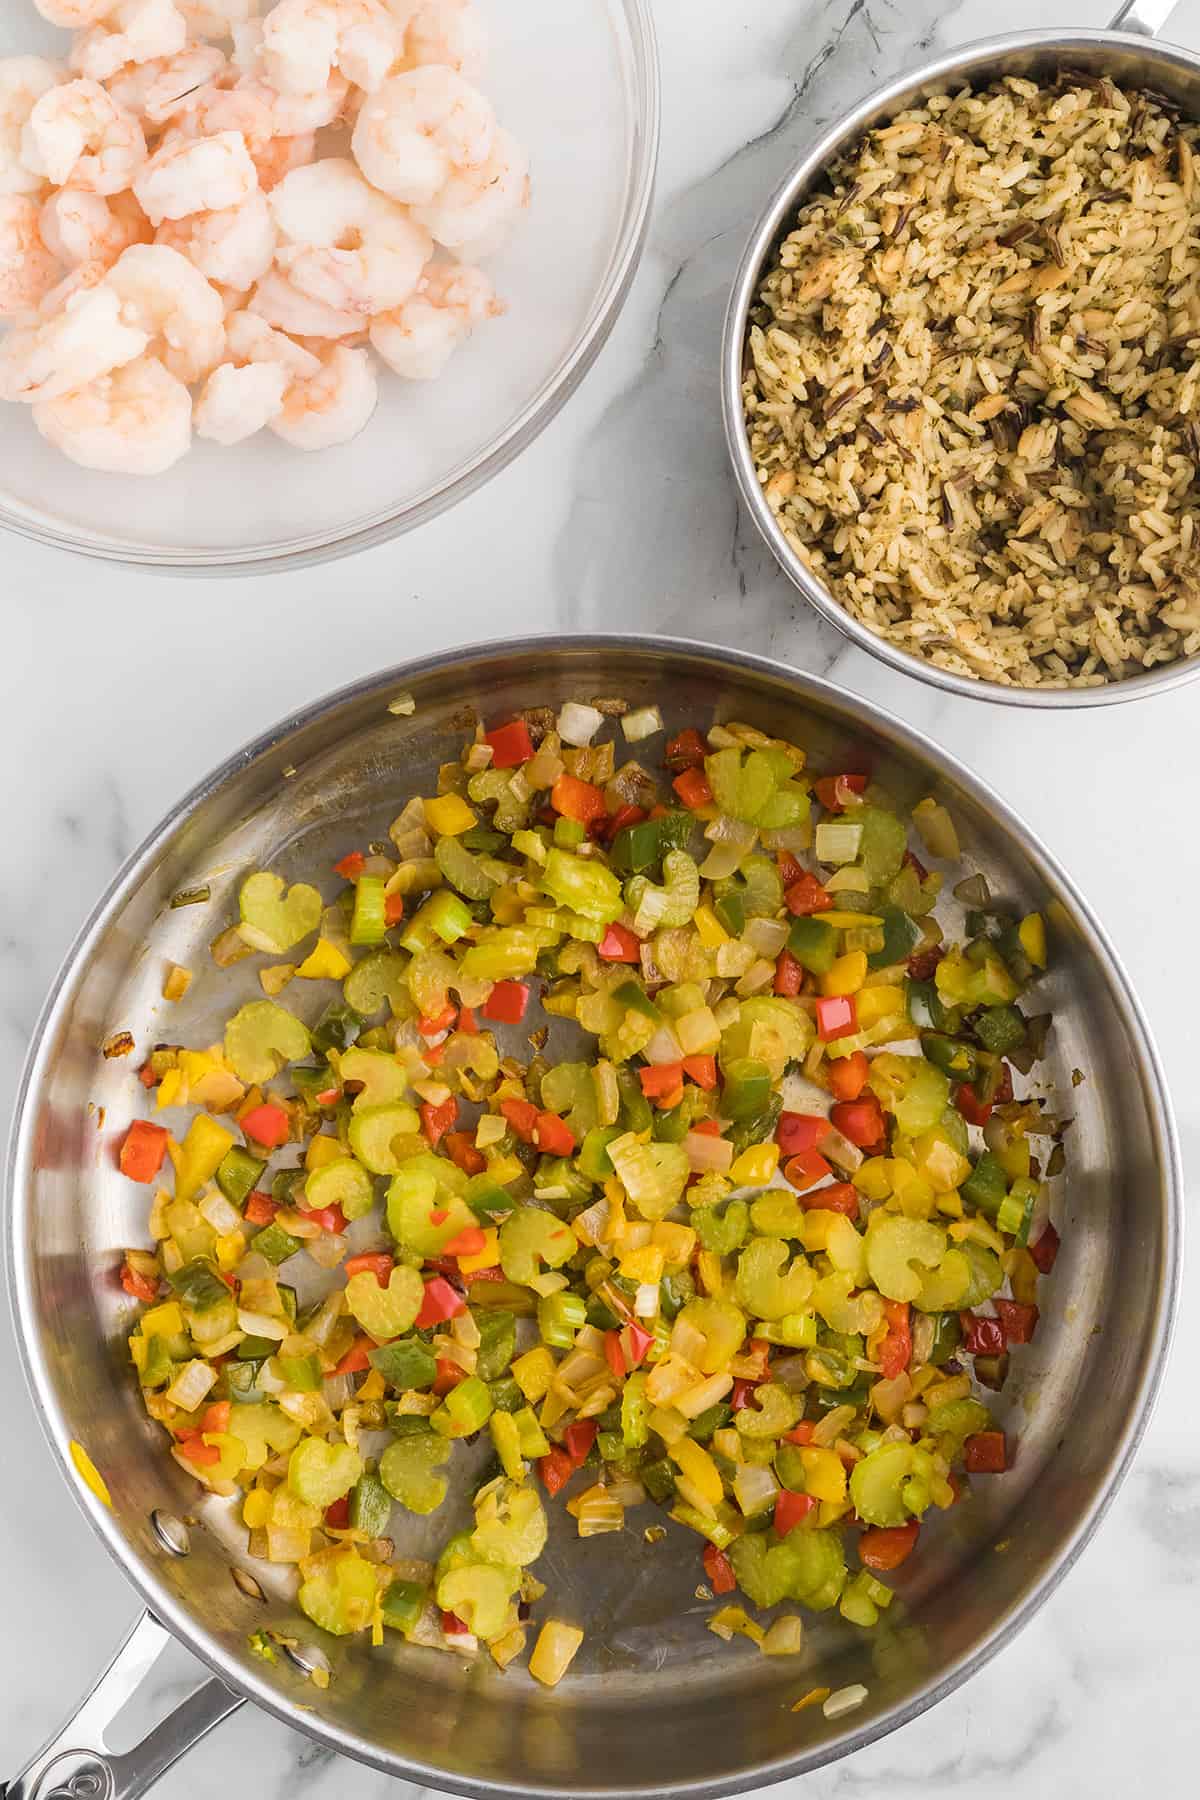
(1127, 53)
(655, 1706)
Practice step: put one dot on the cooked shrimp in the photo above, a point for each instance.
(159, 91)
(23, 81)
(166, 296)
(280, 155)
(216, 19)
(477, 207)
(74, 15)
(237, 402)
(233, 247)
(449, 32)
(418, 339)
(370, 42)
(136, 31)
(191, 175)
(332, 406)
(78, 136)
(135, 421)
(281, 304)
(87, 338)
(79, 227)
(345, 244)
(299, 44)
(249, 339)
(418, 129)
(28, 269)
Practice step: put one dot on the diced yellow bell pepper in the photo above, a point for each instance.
(176, 982)
(324, 962)
(257, 1509)
(712, 933)
(710, 1271)
(873, 1179)
(449, 815)
(373, 1387)
(876, 1003)
(323, 1149)
(644, 1265)
(196, 1159)
(534, 1372)
(824, 1473)
(848, 920)
(504, 1169)
(508, 908)
(487, 1258)
(89, 1474)
(163, 1321)
(914, 1194)
(275, 977)
(677, 1241)
(230, 1248)
(507, 1440)
(137, 1352)
(979, 1232)
(847, 974)
(830, 1511)
(950, 1205)
(699, 1468)
(172, 1090)
(755, 1166)
(1032, 933)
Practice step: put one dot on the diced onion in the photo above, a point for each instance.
(754, 1488)
(785, 1637)
(262, 1325)
(707, 1393)
(687, 1340)
(663, 1047)
(844, 1700)
(645, 1303)
(758, 976)
(554, 1652)
(220, 1215)
(835, 842)
(338, 1391)
(641, 724)
(936, 828)
(732, 841)
(490, 1129)
(577, 724)
(191, 1385)
(324, 1321)
(789, 837)
(766, 936)
(599, 1514)
(328, 1250)
(838, 1150)
(705, 1153)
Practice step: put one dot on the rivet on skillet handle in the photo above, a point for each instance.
(77, 1764)
(1144, 16)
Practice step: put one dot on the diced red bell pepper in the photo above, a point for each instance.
(859, 1120)
(806, 895)
(337, 1514)
(356, 1358)
(448, 1375)
(922, 964)
(985, 1453)
(702, 1070)
(267, 1124)
(790, 1509)
(801, 1433)
(973, 1110)
(510, 744)
(836, 792)
(707, 1127)
(837, 1017)
(660, 1078)
(719, 1570)
(686, 750)
(790, 870)
(441, 1302)
(438, 1216)
(197, 1451)
(896, 1350)
(806, 1169)
(619, 944)
(453, 1626)
(555, 1469)
(981, 1337)
(1018, 1322)
(215, 1417)
(886, 1547)
(147, 1077)
(460, 1148)
(437, 1120)
(839, 1197)
(693, 789)
(789, 975)
(614, 1354)
(393, 909)
(578, 800)
(798, 1132)
(260, 1208)
(636, 1340)
(138, 1286)
(522, 1115)
(507, 1002)
(469, 1242)
(329, 1218)
(468, 1024)
(742, 1394)
(431, 1025)
(848, 1075)
(553, 1135)
(142, 1150)
(350, 867)
(470, 1276)
(624, 815)
(578, 1440)
(378, 1263)
(1046, 1249)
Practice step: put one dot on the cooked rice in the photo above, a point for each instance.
(971, 382)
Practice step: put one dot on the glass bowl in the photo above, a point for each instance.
(577, 82)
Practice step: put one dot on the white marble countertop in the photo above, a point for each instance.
(119, 692)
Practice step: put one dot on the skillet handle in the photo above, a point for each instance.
(78, 1765)
(1146, 17)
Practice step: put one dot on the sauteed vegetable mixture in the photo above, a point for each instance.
(739, 1233)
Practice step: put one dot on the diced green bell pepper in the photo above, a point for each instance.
(408, 1363)
(402, 1606)
(238, 1173)
(275, 1243)
(900, 937)
(986, 1186)
(814, 944)
(370, 1505)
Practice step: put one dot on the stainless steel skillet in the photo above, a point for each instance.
(656, 1706)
